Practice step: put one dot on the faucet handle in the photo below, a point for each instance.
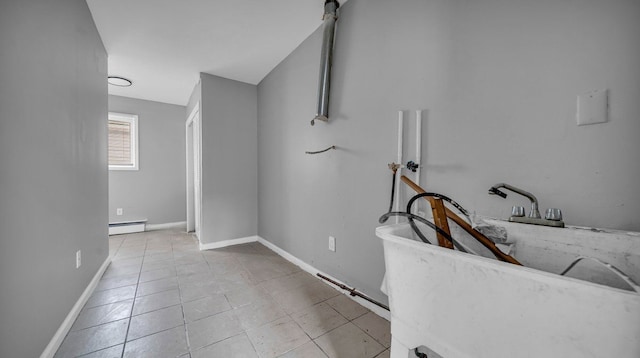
(553, 214)
(517, 211)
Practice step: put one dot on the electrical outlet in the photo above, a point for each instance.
(119, 211)
(78, 258)
(332, 243)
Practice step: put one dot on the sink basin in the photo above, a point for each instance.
(462, 305)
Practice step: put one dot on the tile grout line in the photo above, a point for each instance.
(184, 316)
(307, 334)
(289, 315)
(115, 252)
(124, 345)
(331, 330)
(231, 309)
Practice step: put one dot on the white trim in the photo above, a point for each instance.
(57, 339)
(126, 228)
(189, 172)
(194, 119)
(124, 222)
(132, 119)
(312, 270)
(165, 226)
(225, 243)
(192, 115)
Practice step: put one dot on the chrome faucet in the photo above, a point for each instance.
(534, 213)
(552, 218)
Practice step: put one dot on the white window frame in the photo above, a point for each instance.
(132, 119)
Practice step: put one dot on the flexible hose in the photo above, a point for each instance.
(446, 235)
(393, 191)
(321, 151)
(439, 196)
(411, 217)
(418, 232)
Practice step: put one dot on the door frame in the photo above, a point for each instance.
(193, 136)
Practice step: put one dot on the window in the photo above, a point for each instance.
(123, 141)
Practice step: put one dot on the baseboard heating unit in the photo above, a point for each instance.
(127, 227)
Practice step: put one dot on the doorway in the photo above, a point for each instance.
(194, 170)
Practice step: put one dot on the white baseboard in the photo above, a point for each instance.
(225, 243)
(57, 339)
(166, 226)
(312, 270)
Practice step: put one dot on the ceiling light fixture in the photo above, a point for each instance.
(119, 81)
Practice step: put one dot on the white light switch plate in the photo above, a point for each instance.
(593, 107)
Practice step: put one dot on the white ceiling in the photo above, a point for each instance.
(163, 45)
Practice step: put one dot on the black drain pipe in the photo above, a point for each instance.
(326, 57)
(353, 292)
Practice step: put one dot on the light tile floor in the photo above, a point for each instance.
(162, 297)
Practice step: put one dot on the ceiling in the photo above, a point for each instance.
(163, 45)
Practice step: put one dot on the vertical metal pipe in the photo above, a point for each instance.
(326, 56)
(418, 144)
(418, 150)
(400, 152)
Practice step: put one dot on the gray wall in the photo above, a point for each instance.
(510, 98)
(157, 191)
(498, 82)
(229, 159)
(53, 152)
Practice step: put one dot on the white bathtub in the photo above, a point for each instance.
(460, 305)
